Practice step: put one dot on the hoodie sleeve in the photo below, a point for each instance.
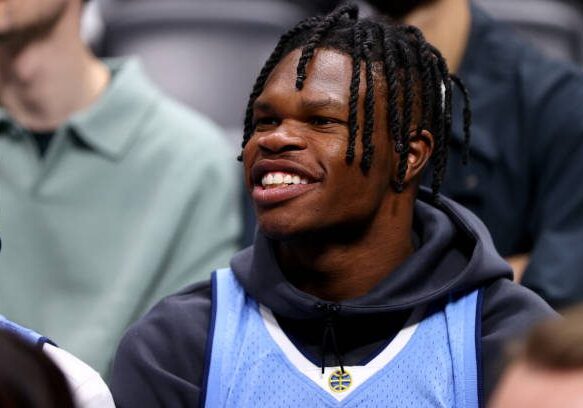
(508, 311)
(160, 360)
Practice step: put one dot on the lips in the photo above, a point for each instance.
(274, 181)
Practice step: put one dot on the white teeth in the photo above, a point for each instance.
(282, 178)
(267, 179)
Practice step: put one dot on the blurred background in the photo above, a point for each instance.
(207, 53)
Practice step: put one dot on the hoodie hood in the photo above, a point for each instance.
(454, 254)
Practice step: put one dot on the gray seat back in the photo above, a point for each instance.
(204, 53)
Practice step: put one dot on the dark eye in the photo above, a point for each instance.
(266, 122)
(321, 121)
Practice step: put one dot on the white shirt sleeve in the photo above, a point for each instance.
(88, 388)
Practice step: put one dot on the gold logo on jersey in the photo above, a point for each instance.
(340, 381)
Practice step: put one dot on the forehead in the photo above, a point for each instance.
(328, 74)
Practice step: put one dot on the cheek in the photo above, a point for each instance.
(334, 146)
(248, 155)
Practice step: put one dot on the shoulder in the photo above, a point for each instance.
(164, 351)
(514, 61)
(164, 123)
(179, 320)
(185, 133)
(88, 388)
(508, 311)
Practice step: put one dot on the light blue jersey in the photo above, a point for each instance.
(430, 363)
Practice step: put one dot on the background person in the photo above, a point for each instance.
(22, 380)
(547, 370)
(111, 194)
(28, 378)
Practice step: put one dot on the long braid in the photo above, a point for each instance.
(438, 120)
(367, 145)
(272, 61)
(424, 56)
(467, 113)
(354, 88)
(323, 26)
(408, 100)
(445, 79)
(390, 68)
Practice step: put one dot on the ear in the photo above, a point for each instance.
(420, 150)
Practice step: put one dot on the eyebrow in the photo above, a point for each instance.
(323, 103)
(263, 106)
(312, 104)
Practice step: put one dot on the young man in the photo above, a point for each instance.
(525, 168)
(358, 291)
(112, 195)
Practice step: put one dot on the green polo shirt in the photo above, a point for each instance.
(136, 197)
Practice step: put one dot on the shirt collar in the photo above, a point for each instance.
(111, 124)
(7, 126)
(4, 118)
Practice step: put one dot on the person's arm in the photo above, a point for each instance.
(88, 388)
(508, 310)
(554, 129)
(160, 360)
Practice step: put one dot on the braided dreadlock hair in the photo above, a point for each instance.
(415, 74)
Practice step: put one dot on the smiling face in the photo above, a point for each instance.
(295, 166)
(18, 17)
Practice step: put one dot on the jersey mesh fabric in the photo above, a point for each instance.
(248, 369)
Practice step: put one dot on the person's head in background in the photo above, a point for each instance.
(42, 55)
(444, 23)
(28, 378)
(547, 368)
(28, 18)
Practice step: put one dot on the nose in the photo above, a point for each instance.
(284, 138)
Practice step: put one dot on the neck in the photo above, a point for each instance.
(46, 78)
(446, 25)
(341, 265)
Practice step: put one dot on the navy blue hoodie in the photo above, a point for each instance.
(160, 361)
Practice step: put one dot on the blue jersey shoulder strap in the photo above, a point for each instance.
(28, 335)
(461, 315)
(228, 300)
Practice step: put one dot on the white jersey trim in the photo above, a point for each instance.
(359, 374)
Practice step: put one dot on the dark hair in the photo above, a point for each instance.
(414, 71)
(28, 378)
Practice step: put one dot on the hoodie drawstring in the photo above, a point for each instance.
(331, 310)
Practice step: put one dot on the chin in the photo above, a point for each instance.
(278, 228)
